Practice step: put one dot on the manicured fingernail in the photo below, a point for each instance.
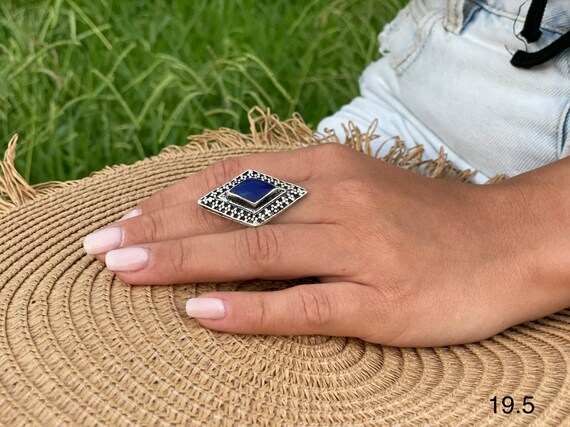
(131, 214)
(103, 240)
(127, 259)
(206, 308)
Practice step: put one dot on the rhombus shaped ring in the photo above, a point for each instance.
(252, 198)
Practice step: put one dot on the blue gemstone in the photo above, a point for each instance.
(253, 190)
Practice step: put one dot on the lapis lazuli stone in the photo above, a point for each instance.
(253, 190)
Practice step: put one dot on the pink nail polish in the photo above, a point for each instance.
(127, 259)
(103, 240)
(206, 308)
(131, 214)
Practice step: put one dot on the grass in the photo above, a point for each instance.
(94, 83)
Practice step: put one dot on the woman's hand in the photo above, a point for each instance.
(404, 260)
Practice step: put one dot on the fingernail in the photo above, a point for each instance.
(127, 259)
(103, 240)
(206, 308)
(131, 214)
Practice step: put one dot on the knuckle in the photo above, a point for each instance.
(333, 153)
(179, 256)
(262, 246)
(208, 222)
(333, 149)
(155, 202)
(150, 227)
(261, 315)
(222, 171)
(390, 298)
(392, 305)
(316, 307)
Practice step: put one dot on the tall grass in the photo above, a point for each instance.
(93, 83)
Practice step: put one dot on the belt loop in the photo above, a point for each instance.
(454, 16)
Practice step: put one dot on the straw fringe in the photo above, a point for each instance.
(14, 190)
(267, 130)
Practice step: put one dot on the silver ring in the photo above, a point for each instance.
(252, 198)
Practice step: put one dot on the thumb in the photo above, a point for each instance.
(337, 309)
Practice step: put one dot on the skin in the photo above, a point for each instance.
(403, 260)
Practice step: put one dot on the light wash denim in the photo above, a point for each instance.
(446, 81)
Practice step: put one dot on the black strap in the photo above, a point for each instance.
(524, 59)
(531, 32)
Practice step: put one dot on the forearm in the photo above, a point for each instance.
(531, 219)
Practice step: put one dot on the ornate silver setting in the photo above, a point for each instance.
(237, 207)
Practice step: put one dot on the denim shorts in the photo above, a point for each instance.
(446, 80)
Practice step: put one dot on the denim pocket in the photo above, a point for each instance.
(404, 37)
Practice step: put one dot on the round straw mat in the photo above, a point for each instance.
(80, 347)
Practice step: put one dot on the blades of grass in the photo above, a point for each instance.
(11, 21)
(240, 65)
(175, 113)
(257, 100)
(78, 38)
(343, 88)
(301, 16)
(334, 8)
(196, 16)
(178, 64)
(200, 107)
(31, 58)
(131, 136)
(143, 75)
(158, 123)
(118, 96)
(88, 33)
(49, 11)
(329, 100)
(52, 158)
(30, 153)
(122, 145)
(270, 75)
(120, 59)
(220, 82)
(306, 63)
(106, 137)
(240, 102)
(356, 37)
(70, 104)
(50, 73)
(72, 26)
(97, 90)
(215, 111)
(32, 103)
(138, 145)
(224, 112)
(151, 99)
(90, 24)
(241, 68)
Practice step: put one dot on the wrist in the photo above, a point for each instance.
(532, 217)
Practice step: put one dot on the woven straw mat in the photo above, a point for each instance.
(80, 347)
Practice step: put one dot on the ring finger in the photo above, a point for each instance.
(190, 219)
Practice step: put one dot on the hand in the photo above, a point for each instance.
(403, 259)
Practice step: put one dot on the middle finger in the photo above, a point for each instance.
(279, 251)
(190, 219)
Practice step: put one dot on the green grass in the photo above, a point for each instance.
(94, 83)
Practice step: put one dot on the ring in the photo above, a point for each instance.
(252, 198)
